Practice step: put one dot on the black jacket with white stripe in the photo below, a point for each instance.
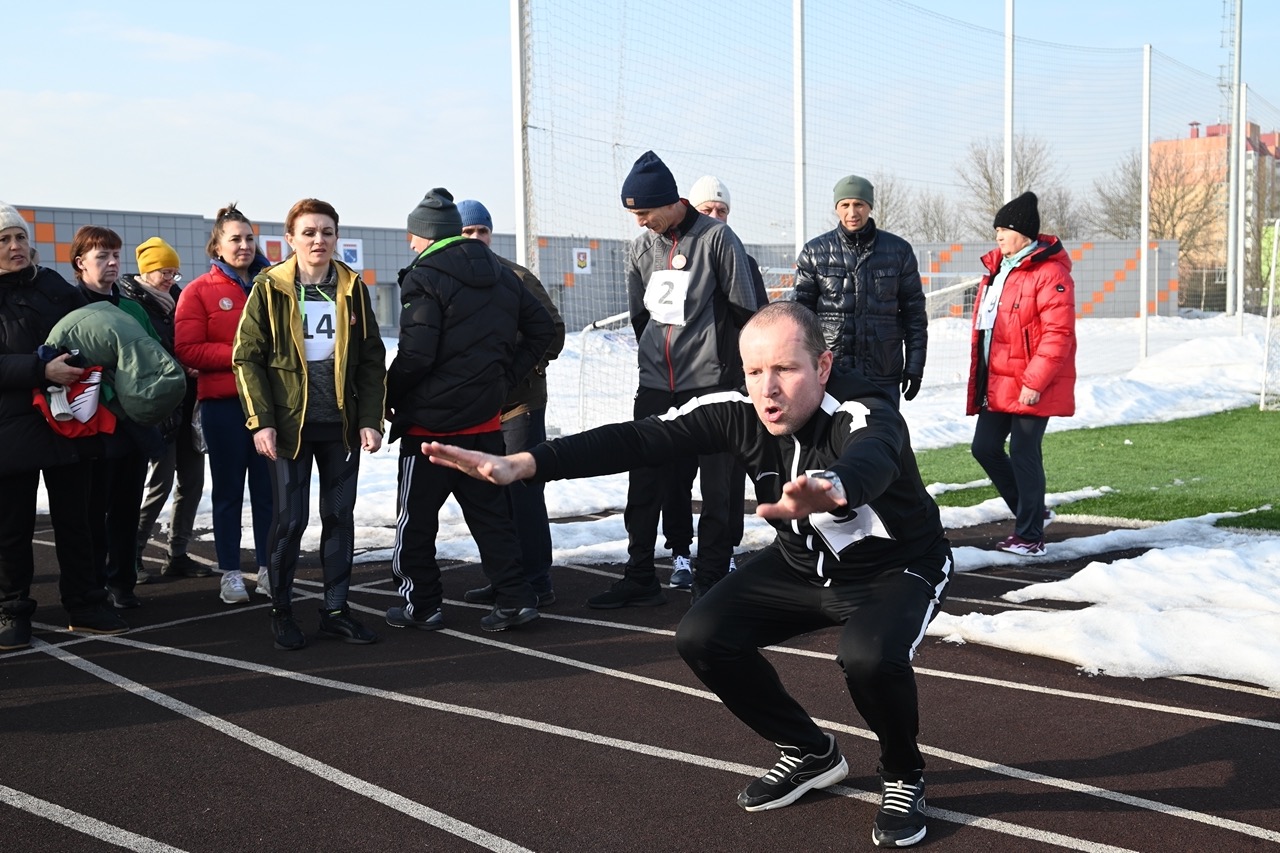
(891, 520)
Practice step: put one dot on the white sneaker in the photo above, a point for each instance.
(682, 573)
(264, 581)
(233, 591)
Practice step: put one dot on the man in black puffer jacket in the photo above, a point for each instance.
(469, 332)
(864, 285)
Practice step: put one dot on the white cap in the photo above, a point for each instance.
(708, 188)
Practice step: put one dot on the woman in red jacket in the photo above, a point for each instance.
(1023, 364)
(204, 329)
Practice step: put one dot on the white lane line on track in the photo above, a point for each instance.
(84, 824)
(390, 799)
(541, 727)
(958, 758)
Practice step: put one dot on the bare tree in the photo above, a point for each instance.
(936, 219)
(982, 174)
(1061, 215)
(893, 203)
(1117, 211)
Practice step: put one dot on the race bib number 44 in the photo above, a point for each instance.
(665, 294)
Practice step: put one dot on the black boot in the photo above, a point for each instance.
(287, 633)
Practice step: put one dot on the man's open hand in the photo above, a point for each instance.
(500, 470)
(801, 497)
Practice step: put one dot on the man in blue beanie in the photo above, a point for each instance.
(690, 291)
(524, 426)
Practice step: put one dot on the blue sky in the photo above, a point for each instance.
(171, 107)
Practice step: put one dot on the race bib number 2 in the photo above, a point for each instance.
(665, 294)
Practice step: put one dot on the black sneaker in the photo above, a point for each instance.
(502, 618)
(792, 776)
(486, 595)
(628, 593)
(96, 620)
(900, 821)
(122, 599)
(15, 631)
(400, 617)
(340, 623)
(182, 566)
(288, 635)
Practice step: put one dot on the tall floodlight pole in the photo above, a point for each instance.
(526, 251)
(1242, 215)
(1234, 179)
(1008, 100)
(1144, 228)
(797, 112)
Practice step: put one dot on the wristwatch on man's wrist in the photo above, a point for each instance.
(837, 488)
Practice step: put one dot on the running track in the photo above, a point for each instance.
(583, 732)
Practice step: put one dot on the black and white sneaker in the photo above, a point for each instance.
(409, 617)
(792, 776)
(900, 821)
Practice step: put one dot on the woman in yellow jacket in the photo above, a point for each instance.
(310, 369)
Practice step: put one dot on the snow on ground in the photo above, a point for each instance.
(1206, 601)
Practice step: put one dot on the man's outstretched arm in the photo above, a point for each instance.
(500, 470)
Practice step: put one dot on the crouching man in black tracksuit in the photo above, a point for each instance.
(859, 544)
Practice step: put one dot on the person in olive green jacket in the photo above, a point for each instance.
(310, 369)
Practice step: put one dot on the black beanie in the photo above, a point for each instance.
(650, 184)
(436, 216)
(1021, 215)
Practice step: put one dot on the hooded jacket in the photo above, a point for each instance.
(1033, 341)
(865, 287)
(469, 332)
(270, 361)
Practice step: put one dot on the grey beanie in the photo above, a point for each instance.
(852, 186)
(436, 216)
(11, 218)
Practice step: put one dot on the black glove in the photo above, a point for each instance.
(910, 386)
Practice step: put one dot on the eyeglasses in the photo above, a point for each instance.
(172, 275)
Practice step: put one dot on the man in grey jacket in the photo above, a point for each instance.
(689, 290)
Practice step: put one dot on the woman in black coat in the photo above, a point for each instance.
(32, 300)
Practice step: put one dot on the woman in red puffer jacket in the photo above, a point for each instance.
(1023, 368)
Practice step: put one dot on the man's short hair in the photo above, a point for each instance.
(815, 342)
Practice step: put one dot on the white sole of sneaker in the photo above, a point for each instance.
(901, 842)
(826, 780)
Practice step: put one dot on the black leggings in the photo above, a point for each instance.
(291, 493)
(767, 602)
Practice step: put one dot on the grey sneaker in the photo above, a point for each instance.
(232, 589)
(264, 582)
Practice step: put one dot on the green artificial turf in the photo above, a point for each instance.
(1227, 462)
